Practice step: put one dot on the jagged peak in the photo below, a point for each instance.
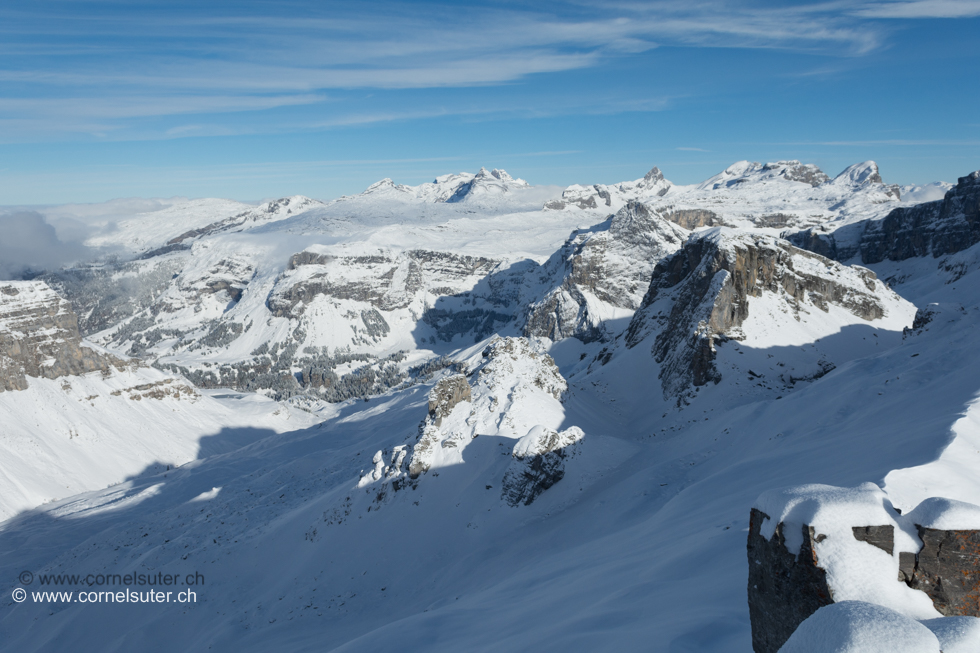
(972, 179)
(654, 175)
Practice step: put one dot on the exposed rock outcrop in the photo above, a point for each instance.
(39, 337)
(796, 171)
(385, 281)
(784, 589)
(701, 293)
(611, 264)
(514, 385)
(947, 569)
(690, 218)
(446, 394)
(538, 462)
(937, 228)
(746, 171)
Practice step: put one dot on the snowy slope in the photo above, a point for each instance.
(76, 434)
(650, 537)
(76, 418)
(741, 365)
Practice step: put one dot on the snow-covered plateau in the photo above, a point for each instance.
(482, 415)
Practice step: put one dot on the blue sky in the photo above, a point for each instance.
(253, 100)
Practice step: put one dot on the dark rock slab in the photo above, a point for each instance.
(947, 569)
(882, 537)
(784, 589)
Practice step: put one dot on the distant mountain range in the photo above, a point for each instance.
(477, 414)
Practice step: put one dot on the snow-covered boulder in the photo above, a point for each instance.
(814, 545)
(956, 634)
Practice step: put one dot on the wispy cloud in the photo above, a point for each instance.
(920, 9)
(94, 67)
(146, 105)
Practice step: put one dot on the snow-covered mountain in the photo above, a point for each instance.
(480, 415)
(78, 418)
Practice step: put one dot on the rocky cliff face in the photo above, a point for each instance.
(385, 281)
(446, 394)
(39, 337)
(936, 228)
(605, 267)
(932, 228)
(701, 294)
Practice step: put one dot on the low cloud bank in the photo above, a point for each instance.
(30, 245)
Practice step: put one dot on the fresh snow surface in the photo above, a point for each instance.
(956, 634)
(857, 627)
(81, 433)
(306, 543)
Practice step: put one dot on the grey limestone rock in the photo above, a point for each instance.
(806, 173)
(39, 337)
(784, 589)
(705, 289)
(612, 262)
(933, 228)
(446, 394)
